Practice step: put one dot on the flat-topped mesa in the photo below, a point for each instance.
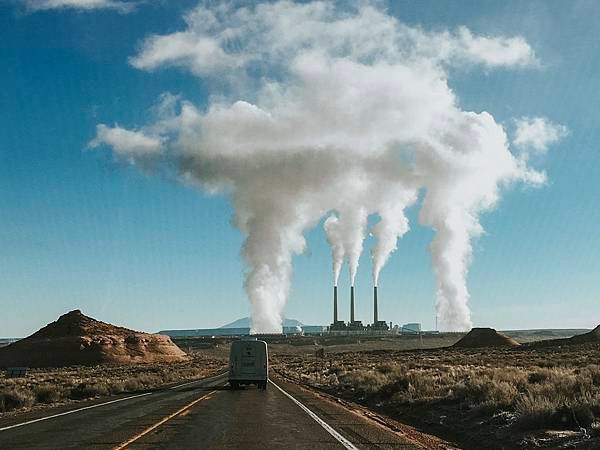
(76, 339)
(485, 337)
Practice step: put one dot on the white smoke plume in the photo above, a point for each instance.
(393, 224)
(353, 226)
(345, 235)
(334, 238)
(315, 109)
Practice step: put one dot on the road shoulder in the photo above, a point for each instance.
(405, 432)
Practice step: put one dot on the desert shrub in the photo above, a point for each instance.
(573, 417)
(149, 379)
(534, 411)
(537, 377)
(527, 390)
(593, 372)
(117, 387)
(387, 368)
(400, 384)
(132, 385)
(423, 385)
(366, 381)
(48, 393)
(511, 375)
(13, 398)
(556, 413)
(336, 370)
(88, 390)
(45, 386)
(146, 380)
(570, 385)
(474, 392)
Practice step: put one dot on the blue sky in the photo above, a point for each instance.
(79, 230)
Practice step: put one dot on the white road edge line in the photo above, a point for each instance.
(341, 439)
(73, 411)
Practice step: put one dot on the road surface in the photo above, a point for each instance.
(202, 414)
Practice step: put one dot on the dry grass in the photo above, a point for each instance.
(15, 397)
(469, 394)
(44, 387)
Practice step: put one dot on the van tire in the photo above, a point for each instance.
(234, 385)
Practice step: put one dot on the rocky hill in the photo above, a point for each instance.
(587, 338)
(76, 339)
(485, 337)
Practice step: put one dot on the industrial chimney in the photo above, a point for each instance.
(335, 311)
(351, 304)
(375, 315)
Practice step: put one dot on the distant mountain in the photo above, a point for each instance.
(245, 323)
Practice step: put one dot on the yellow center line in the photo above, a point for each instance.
(162, 421)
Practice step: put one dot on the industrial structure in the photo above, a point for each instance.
(377, 324)
(301, 330)
(411, 328)
(337, 325)
(353, 324)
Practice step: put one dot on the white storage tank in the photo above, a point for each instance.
(411, 328)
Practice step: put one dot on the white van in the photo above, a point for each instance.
(248, 363)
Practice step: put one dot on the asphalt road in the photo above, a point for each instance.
(202, 414)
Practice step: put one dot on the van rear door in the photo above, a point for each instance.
(249, 360)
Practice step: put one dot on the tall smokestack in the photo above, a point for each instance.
(335, 315)
(351, 304)
(375, 315)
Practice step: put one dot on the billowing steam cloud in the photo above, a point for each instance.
(334, 237)
(392, 226)
(345, 235)
(318, 112)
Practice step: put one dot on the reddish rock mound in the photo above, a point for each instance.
(75, 339)
(485, 337)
